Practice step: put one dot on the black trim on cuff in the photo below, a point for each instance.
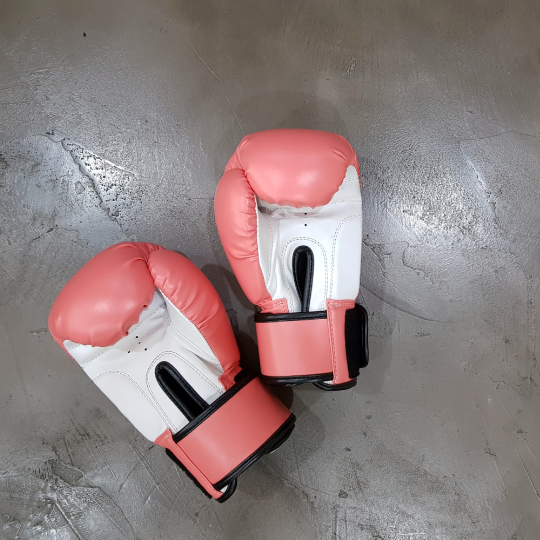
(274, 442)
(335, 387)
(228, 492)
(220, 401)
(288, 317)
(295, 380)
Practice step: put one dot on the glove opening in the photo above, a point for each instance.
(302, 264)
(179, 391)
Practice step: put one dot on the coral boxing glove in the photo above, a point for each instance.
(150, 330)
(289, 214)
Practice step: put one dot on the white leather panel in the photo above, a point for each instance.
(133, 402)
(125, 372)
(346, 259)
(333, 232)
(265, 244)
(189, 334)
(319, 291)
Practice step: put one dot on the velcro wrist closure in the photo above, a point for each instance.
(294, 347)
(242, 425)
(313, 346)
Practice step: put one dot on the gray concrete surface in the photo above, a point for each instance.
(116, 120)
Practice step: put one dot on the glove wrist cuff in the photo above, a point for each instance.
(323, 347)
(241, 426)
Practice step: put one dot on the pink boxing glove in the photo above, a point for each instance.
(289, 214)
(149, 329)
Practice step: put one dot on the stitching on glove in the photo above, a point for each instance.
(188, 364)
(330, 316)
(276, 304)
(347, 201)
(155, 405)
(106, 349)
(335, 242)
(184, 338)
(357, 179)
(267, 219)
(283, 264)
(179, 334)
(345, 303)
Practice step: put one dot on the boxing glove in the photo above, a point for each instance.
(289, 214)
(149, 329)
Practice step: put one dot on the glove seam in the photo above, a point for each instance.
(335, 243)
(178, 333)
(275, 304)
(109, 347)
(267, 219)
(330, 316)
(188, 364)
(158, 409)
(283, 263)
(330, 304)
(344, 202)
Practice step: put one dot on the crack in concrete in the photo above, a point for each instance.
(489, 196)
(95, 167)
(56, 484)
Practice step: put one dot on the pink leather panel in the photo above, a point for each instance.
(294, 167)
(236, 220)
(166, 441)
(236, 430)
(99, 305)
(336, 324)
(275, 306)
(193, 294)
(294, 348)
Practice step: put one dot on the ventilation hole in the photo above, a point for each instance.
(139, 342)
(137, 337)
(305, 224)
(129, 352)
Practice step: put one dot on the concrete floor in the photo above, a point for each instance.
(116, 120)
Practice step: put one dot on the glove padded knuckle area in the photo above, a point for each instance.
(105, 298)
(294, 167)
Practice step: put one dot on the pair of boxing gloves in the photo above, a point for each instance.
(150, 330)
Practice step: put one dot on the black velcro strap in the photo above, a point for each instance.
(356, 339)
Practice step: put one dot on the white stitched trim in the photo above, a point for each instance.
(204, 354)
(283, 264)
(335, 242)
(269, 270)
(188, 364)
(161, 413)
(106, 349)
